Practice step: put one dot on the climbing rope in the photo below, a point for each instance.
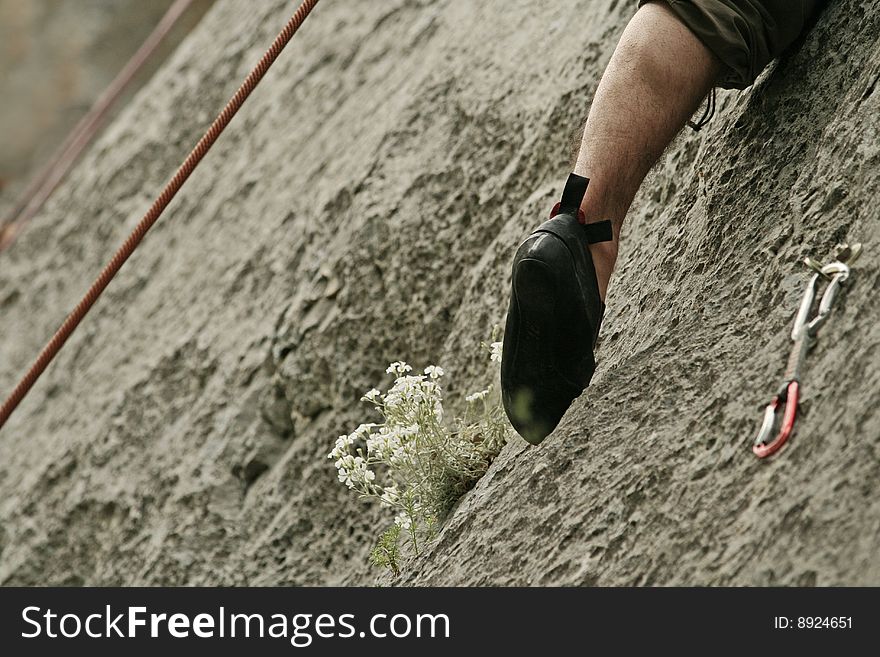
(803, 334)
(171, 188)
(54, 171)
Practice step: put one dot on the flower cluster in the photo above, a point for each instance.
(413, 462)
(495, 351)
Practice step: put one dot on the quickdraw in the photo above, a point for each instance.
(803, 334)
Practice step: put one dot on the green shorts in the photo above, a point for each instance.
(744, 34)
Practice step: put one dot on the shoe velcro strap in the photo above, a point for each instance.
(599, 231)
(572, 197)
(573, 194)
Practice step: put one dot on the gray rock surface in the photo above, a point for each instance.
(56, 58)
(364, 207)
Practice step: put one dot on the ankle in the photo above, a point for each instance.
(604, 256)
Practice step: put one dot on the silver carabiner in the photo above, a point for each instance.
(837, 273)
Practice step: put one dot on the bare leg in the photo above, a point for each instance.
(654, 82)
(657, 77)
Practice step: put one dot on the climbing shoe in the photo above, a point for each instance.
(553, 319)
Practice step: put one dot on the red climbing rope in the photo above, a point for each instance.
(189, 164)
(51, 175)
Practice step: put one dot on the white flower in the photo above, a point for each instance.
(341, 447)
(398, 367)
(403, 521)
(470, 399)
(434, 371)
(372, 395)
(400, 455)
(379, 446)
(407, 392)
(390, 495)
(495, 351)
(353, 470)
(413, 449)
(363, 431)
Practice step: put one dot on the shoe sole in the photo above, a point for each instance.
(534, 293)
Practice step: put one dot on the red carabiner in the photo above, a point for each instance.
(786, 400)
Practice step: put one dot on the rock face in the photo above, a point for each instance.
(364, 207)
(56, 58)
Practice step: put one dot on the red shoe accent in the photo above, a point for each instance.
(582, 218)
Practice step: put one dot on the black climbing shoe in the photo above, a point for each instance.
(554, 317)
